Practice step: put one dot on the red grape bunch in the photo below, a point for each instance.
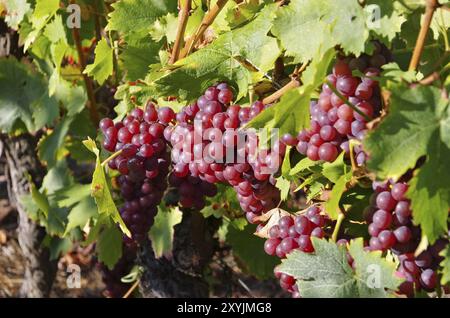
(206, 144)
(143, 163)
(294, 233)
(391, 228)
(333, 121)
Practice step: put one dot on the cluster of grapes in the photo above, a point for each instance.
(391, 227)
(333, 121)
(191, 191)
(112, 278)
(206, 144)
(390, 219)
(291, 233)
(421, 272)
(143, 163)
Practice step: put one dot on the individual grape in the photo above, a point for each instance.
(327, 152)
(385, 201)
(166, 115)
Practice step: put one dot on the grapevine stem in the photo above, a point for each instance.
(430, 78)
(114, 155)
(87, 80)
(272, 98)
(431, 7)
(182, 23)
(346, 101)
(337, 227)
(132, 288)
(206, 22)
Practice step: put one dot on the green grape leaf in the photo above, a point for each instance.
(249, 250)
(305, 27)
(445, 264)
(15, 12)
(43, 12)
(233, 56)
(327, 274)
(332, 204)
(162, 231)
(24, 96)
(390, 21)
(109, 246)
(58, 247)
(50, 144)
(100, 189)
(72, 97)
(302, 165)
(57, 178)
(102, 67)
(55, 30)
(80, 214)
(135, 17)
(378, 272)
(138, 56)
(72, 194)
(418, 124)
(291, 113)
(333, 171)
(284, 185)
(165, 27)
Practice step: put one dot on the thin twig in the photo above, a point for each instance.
(132, 288)
(182, 23)
(430, 78)
(114, 155)
(295, 82)
(98, 26)
(208, 19)
(431, 7)
(87, 80)
(275, 96)
(337, 227)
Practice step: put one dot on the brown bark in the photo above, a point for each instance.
(183, 274)
(20, 153)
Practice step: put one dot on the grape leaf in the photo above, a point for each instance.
(326, 272)
(332, 204)
(336, 169)
(390, 21)
(43, 12)
(284, 185)
(306, 26)
(102, 67)
(135, 17)
(24, 96)
(55, 31)
(15, 12)
(249, 250)
(291, 113)
(100, 189)
(109, 246)
(80, 214)
(445, 264)
(72, 194)
(377, 274)
(162, 231)
(227, 58)
(49, 145)
(58, 247)
(418, 125)
(138, 56)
